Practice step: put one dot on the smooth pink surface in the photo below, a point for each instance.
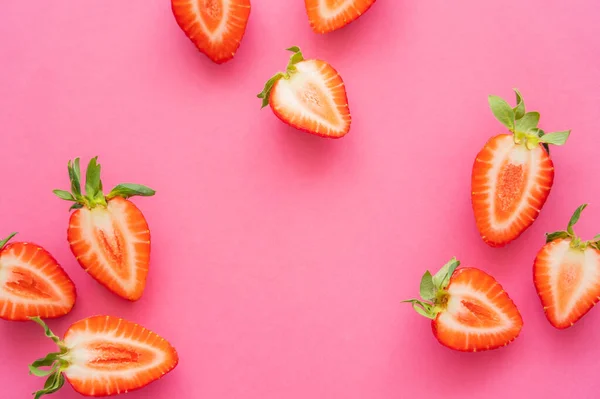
(279, 259)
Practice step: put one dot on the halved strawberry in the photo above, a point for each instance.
(104, 356)
(328, 15)
(216, 27)
(566, 274)
(32, 283)
(513, 174)
(108, 235)
(470, 310)
(309, 96)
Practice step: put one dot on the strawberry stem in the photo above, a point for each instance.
(569, 233)
(94, 196)
(433, 291)
(56, 361)
(524, 124)
(290, 69)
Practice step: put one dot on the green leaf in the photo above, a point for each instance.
(575, 218)
(38, 372)
(519, 110)
(442, 277)
(7, 239)
(127, 190)
(556, 138)
(295, 58)
(265, 94)
(92, 179)
(62, 194)
(76, 206)
(54, 382)
(75, 177)
(527, 122)
(540, 133)
(47, 331)
(503, 112)
(596, 238)
(426, 289)
(557, 235)
(423, 308)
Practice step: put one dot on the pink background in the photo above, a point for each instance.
(279, 259)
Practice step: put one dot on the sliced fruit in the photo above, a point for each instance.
(109, 235)
(216, 27)
(566, 274)
(103, 356)
(329, 15)
(32, 283)
(469, 309)
(309, 96)
(512, 174)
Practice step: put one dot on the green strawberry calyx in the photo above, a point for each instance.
(569, 233)
(433, 291)
(289, 71)
(93, 195)
(6, 240)
(51, 366)
(524, 125)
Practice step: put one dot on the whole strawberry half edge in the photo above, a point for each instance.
(566, 274)
(216, 27)
(512, 174)
(108, 234)
(468, 308)
(329, 15)
(310, 96)
(32, 283)
(104, 356)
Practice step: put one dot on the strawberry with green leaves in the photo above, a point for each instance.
(309, 96)
(32, 283)
(108, 234)
(566, 274)
(468, 308)
(104, 356)
(513, 173)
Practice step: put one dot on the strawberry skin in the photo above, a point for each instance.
(566, 274)
(512, 174)
(32, 283)
(510, 185)
(468, 308)
(112, 244)
(108, 234)
(309, 96)
(105, 356)
(216, 27)
(329, 15)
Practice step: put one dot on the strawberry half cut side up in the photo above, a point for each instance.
(309, 96)
(32, 283)
(329, 15)
(468, 308)
(566, 274)
(513, 174)
(104, 356)
(108, 234)
(216, 27)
